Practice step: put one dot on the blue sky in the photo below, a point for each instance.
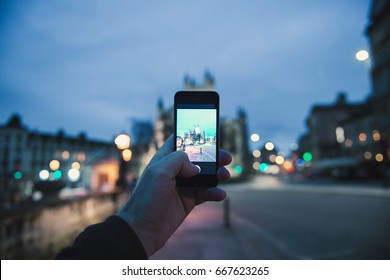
(206, 119)
(94, 65)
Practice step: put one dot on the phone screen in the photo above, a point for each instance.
(197, 132)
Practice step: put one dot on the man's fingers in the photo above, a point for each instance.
(223, 175)
(180, 165)
(166, 149)
(224, 158)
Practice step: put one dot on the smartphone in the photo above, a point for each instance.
(196, 132)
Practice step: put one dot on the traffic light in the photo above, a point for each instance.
(18, 170)
(263, 167)
(57, 174)
(18, 175)
(307, 156)
(238, 169)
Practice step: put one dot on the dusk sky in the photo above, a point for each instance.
(93, 66)
(206, 120)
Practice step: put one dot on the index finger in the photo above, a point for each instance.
(165, 149)
(224, 157)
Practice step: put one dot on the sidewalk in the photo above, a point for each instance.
(204, 236)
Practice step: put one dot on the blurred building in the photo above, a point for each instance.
(352, 140)
(234, 138)
(366, 135)
(233, 131)
(32, 160)
(324, 143)
(378, 33)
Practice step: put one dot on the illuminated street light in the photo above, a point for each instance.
(376, 136)
(126, 155)
(54, 165)
(73, 174)
(269, 146)
(44, 175)
(379, 157)
(255, 137)
(122, 141)
(279, 160)
(362, 55)
(76, 165)
(256, 153)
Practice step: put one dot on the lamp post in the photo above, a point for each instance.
(122, 142)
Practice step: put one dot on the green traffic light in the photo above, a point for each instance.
(238, 169)
(307, 156)
(18, 175)
(263, 167)
(57, 174)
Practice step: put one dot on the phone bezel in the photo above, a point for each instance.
(198, 98)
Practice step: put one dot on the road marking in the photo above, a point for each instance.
(281, 247)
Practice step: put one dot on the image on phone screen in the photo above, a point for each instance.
(196, 134)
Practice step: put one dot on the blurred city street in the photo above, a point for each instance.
(273, 219)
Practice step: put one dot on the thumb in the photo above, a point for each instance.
(181, 165)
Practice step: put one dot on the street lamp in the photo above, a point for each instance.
(122, 142)
(362, 55)
(255, 137)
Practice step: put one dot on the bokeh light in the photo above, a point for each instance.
(348, 143)
(122, 141)
(73, 174)
(279, 160)
(65, 155)
(57, 174)
(288, 166)
(237, 169)
(256, 153)
(379, 157)
(75, 165)
(269, 146)
(127, 154)
(18, 175)
(362, 137)
(255, 137)
(263, 167)
(362, 55)
(44, 175)
(376, 136)
(256, 165)
(307, 156)
(54, 164)
(367, 155)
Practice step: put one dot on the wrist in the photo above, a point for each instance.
(145, 238)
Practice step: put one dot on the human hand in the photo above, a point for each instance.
(157, 207)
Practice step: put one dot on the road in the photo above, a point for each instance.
(312, 222)
(272, 219)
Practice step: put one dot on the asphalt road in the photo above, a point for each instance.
(310, 222)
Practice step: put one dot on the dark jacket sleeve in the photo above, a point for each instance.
(112, 239)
